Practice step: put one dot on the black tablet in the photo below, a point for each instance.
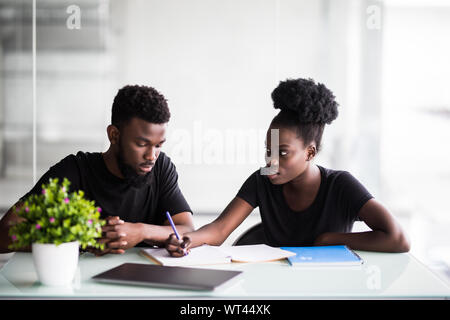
(167, 277)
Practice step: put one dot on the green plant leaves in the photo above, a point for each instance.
(55, 216)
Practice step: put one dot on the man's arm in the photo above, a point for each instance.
(157, 235)
(120, 236)
(9, 219)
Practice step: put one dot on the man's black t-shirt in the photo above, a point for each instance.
(335, 208)
(147, 204)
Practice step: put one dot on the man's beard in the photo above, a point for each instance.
(130, 175)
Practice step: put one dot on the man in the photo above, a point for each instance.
(133, 182)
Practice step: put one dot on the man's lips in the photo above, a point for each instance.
(146, 168)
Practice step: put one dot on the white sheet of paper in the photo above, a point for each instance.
(256, 253)
(202, 255)
(206, 254)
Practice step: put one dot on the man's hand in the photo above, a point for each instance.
(123, 236)
(118, 236)
(108, 236)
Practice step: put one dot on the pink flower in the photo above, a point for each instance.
(51, 219)
(38, 226)
(27, 209)
(63, 189)
(14, 237)
(90, 221)
(44, 191)
(66, 200)
(99, 209)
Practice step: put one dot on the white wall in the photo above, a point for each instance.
(217, 62)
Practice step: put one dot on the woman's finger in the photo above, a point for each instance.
(186, 242)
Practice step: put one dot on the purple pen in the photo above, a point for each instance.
(173, 225)
(175, 229)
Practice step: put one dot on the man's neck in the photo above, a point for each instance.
(111, 163)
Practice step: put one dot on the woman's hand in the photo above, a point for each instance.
(176, 247)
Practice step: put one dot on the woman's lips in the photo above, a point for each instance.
(273, 176)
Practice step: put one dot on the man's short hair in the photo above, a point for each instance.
(139, 101)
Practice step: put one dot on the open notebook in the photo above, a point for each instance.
(206, 254)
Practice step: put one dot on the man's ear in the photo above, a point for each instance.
(311, 152)
(113, 134)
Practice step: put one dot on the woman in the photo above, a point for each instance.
(302, 204)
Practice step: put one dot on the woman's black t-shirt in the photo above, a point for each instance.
(335, 208)
(147, 204)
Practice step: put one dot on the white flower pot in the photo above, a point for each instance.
(55, 265)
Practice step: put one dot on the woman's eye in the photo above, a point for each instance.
(283, 153)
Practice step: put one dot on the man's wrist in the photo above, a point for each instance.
(144, 232)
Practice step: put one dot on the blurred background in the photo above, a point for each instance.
(217, 63)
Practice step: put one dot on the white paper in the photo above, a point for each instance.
(206, 254)
(197, 256)
(256, 253)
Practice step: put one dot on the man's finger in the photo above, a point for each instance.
(103, 240)
(117, 244)
(114, 234)
(114, 220)
(109, 228)
(117, 251)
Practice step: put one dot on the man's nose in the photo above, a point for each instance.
(150, 154)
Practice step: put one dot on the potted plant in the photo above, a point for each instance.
(55, 224)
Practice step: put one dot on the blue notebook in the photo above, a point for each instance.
(323, 256)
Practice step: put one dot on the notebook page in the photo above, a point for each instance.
(202, 255)
(256, 253)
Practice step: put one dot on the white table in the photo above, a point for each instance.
(383, 275)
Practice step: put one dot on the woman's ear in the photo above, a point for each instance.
(113, 134)
(311, 152)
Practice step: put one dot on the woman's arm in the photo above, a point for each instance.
(386, 235)
(214, 233)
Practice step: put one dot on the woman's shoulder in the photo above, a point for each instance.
(334, 173)
(340, 177)
(343, 180)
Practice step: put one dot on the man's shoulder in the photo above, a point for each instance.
(163, 162)
(79, 158)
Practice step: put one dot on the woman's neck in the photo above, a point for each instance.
(307, 179)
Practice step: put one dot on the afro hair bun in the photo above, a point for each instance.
(313, 103)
